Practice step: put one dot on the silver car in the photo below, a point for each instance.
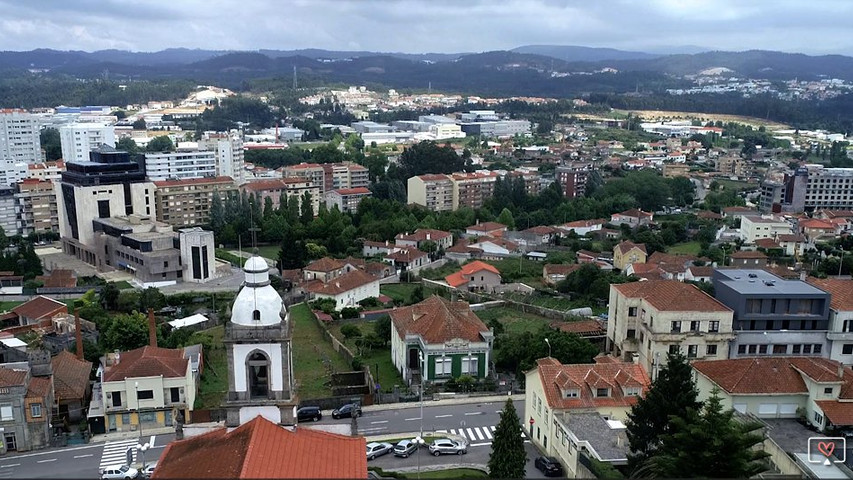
(446, 446)
(404, 448)
(377, 449)
(119, 472)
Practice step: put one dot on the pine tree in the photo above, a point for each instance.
(709, 443)
(672, 393)
(508, 457)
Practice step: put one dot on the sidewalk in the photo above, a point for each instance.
(442, 403)
(146, 433)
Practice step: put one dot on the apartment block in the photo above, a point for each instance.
(809, 188)
(753, 228)
(347, 199)
(78, 139)
(649, 319)
(51, 171)
(472, 189)
(434, 191)
(293, 188)
(840, 332)
(773, 316)
(180, 165)
(36, 206)
(733, 166)
(313, 172)
(187, 202)
(572, 178)
(228, 151)
(344, 175)
(20, 140)
(8, 210)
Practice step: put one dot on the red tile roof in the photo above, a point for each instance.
(767, 243)
(626, 246)
(461, 277)
(70, 376)
(560, 269)
(748, 254)
(406, 255)
(672, 295)
(580, 327)
(438, 320)
(487, 227)
(840, 290)
(262, 449)
(541, 230)
(774, 375)
(12, 378)
(344, 283)
(584, 223)
(838, 413)
(421, 234)
(39, 387)
(588, 377)
(633, 212)
(148, 361)
(273, 183)
(353, 191)
(325, 265)
(40, 307)
(818, 224)
(59, 278)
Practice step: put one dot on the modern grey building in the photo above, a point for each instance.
(773, 316)
(809, 188)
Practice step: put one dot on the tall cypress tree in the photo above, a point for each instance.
(508, 457)
(672, 393)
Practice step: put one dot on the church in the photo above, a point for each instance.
(260, 437)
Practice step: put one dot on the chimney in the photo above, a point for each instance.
(840, 370)
(802, 275)
(152, 328)
(78, 334)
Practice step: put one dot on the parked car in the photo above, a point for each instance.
(404, 448)
(119, 472)
(306, 414)
(377, 449)
(348, 410)
(148, 470)
(446, 446)
(549, 466)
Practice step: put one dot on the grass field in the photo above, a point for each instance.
(513, 320)
(313, 356)
(214, 377)
(734, 185)
(402, 292)
(379, 360)
(6, 306)
(269, 251)
(686, 248)
(449, 473)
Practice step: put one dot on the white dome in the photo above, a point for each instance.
(257, 306)
(256, 271)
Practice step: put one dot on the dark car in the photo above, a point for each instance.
(348, 410)
(306, 414)
(549, 466)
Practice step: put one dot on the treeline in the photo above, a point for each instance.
(36, 91)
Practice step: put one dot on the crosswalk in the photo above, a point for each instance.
(115, 452)
(476, 435)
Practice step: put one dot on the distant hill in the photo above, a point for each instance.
(572, 53)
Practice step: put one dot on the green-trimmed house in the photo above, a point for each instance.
(446, 336)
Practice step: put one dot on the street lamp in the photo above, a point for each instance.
(141, 448)
(421, 358)
(419, 441)
(549, 347)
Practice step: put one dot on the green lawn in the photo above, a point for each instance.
(513, 320)
(214, 377)
(686, 248)
(123, 285)
(449, 473)
(402, 292)
(269, 251)
(314, 359)
(440, 272)
(6, 306)
(377, 359)
(734, 185)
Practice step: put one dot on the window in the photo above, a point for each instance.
(807, 349)
(35, 409)
(847, 349)
(694, 326)
(710, 350)
(692, 351)
(145, 395)
(469, 365)
(602, 392)
(714, 326)
(795, 349)
(632, 392)
(762, 349)
(256, 315)
(818, 418)
(753, 305)
(827, 391)
(817, 348)
(6, 413)
(676, 327)
(116, 399)
(753, 349)
(673, 349)
(631, 333)
(632, 311)
(741, 349)
(443, 366)
(780, 349)
(848, 326)
(573, 393)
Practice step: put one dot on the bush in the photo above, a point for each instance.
(350, 331)
(357, 363)
(370, 302)
(349, 312)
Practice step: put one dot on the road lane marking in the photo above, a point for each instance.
(487, 432)
(10, 465)
(411, 419)
(151, 442)
(83, 456)
(480, 444)
(479, 433)
(473, 413)
(48, 460)
(443, 416)
(379, 421)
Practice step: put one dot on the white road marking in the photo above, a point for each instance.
(498, 411)
(115, 453)
(48, 460)
(443, 416)
(151, 442)
(83, 456)
(441, 431)
(480, 444)
(471, 435)
(379, 421)
(10, 465)
(412, 419)
(479, 433)
(488, 432)
(473, 413)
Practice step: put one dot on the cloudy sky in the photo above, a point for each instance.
(418, 26)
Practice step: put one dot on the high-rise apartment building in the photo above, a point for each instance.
(293, 188)
(182, 164)
(572, 178)
(182, 203)
(314, 172)
(78, 139)
(20, 144)
(809, 188)
(36, 207)
(434, 191)
(472, 189)
(228, 151)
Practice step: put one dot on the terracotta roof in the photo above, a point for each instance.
(626, 246)
(476, 266)
(193, 181)
(486, 227)
(40, 307)
(633, 212)
(438, 320)
(672, 295)
(511, 246)
(420, 235)
(589, 377)
(59, 278)
(541, 230)
(273, 183)
(434, 177)
(39, 387)
(325, 264)
(838, 413)
(709, 214)
(406, 255)
(841, 292)
(701, 271)
(12, 378)
(838, 213)
(739, 210)
(352, 191)
(773, 375)
(262, 449)
(587, 253)
(584, 223)
(70, 376)
(748, 254)
(650, 271)
(672, 259)
(767, 243)
(580, 327)
(819, 224)
(148, 361)
(560, 269)
(344, 283)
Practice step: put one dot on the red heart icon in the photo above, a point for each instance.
(826, 448)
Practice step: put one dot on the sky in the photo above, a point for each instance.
(421, 26)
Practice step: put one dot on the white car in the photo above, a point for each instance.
(376, 449)
(119, 472)
(148, 470)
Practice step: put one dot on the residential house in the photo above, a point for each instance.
(633, 218)
(254, 450)
(814, 229)
(739, 212)
(648, 271)
(575, 411)
(475, 276)
(649, 319)
(540, 235)
(71, 384)
(753, 228)
(11, 284)
(553, 274)
(748, 259)
(144, 388)
(581, 227)
(443, 240)
(377, 269)
(486, 229)
(773, 316)
(347, 199)
(38, 310)
(26, 401)
(462, 251)
(325, 269)
(708, 215)
(494, 248)
(371, 249)
(405, 259)
(440, 338)
(792, 244)
(346, 290)
(840, 331)
(818, 390)
(627, 252)
(699, 274)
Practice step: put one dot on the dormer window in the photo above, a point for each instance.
(632, 391)
(602, 392)
(572, 393)
(256, 315)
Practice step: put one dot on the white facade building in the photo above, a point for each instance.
(20, 144)
(78, 139)
(180, 165)
(228, 150)
(754, 228)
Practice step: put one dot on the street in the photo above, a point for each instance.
(475, 421)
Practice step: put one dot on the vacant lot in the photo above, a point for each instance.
(378, 360)
(402, 292)
(686, 248)
(314, 359)
(513, 320)
(214, 377)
